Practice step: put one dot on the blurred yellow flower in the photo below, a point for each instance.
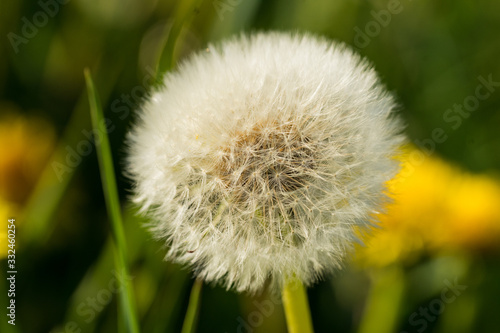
(27, 143)
(436, 206)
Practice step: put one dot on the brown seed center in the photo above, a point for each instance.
(268, 161)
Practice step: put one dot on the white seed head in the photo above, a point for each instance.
(259, 159)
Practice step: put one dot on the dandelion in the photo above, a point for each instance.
(260, 157)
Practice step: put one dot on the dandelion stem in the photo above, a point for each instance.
(108, 178)
(298, 316)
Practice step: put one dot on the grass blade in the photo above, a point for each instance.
(193, 308)
(185, 12)
(126, 298)
(47, 196)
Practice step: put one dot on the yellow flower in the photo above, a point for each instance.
(436, 206)
(27, 143)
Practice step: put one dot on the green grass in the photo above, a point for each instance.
(126, 297)
(191, 318)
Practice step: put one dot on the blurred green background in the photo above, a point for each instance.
(440, 58)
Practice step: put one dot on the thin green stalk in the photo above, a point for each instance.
(384, 301)
(297, 313)
(193, 308)
(167, 58)
(108, 178)
(46, 197)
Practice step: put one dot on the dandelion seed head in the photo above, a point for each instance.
(257, 160)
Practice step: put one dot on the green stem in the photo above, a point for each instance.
(384, 301)
(167, 58)
(297, 313)
(193, 308)
(108, 178)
